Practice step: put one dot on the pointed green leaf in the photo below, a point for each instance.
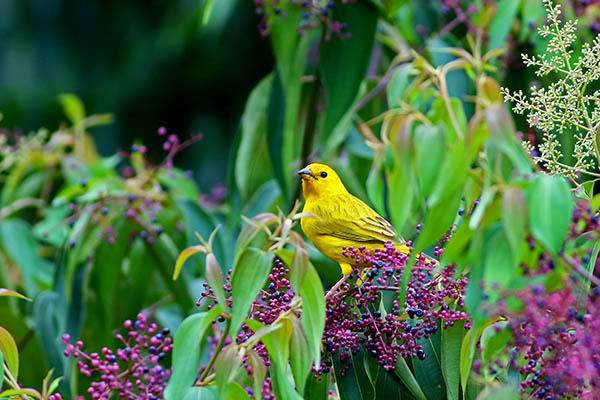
(451, 344)
(10, 351)
(313, 311)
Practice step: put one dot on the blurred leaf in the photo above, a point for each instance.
(184, 255)
(503, 135)
(72, 107)
(48, 316)
(300, 354)
(208, 6)
(248, 277)
(237, 392)
(2, 366)
(430, 150)
(9, 350)
(6, 292)
(408, 379)
(492, 341)
(275, 132)
(227, 365)
(344, 61)
(186, 352)
(514, 218)
(452, 338)
(375, 190)
(313, 311)
(503, 392)
(499, 266)
(18, 242)
(298, 268)
(504, 18)
(179, 184)
(263, 198)
(53, 229)
(398, 84)
(253, 128)
(550, 209)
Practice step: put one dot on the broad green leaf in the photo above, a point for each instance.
(344, 61)
(355, 384)
(237, 392)
(430, 149)
(263, 198)
(300, 354)
(12, 293)
(451, 343)
(248, 277)
(227, 365)
(313, 311)
(186, 352)
(550, 210)
(2, 371)
(429, 371)
(375, 190)
(317, 389)
(408, 379)
(504, 392)
(257, 224)
(503, 20)
(438, 220)
(72, 107)
(10, 352)
(502, 135)
(298, 268)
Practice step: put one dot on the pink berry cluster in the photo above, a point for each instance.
(557, 335)
(354, 318)
(314, 14)
(131, 372)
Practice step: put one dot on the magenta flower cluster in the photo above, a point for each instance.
(557, 334)
(131, 372)
(354, 318)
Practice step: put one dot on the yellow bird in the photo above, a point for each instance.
(341, 219)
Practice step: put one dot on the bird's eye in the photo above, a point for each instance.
(323, 174)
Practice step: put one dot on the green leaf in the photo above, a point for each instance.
(398, 84)
(493, 341)
(428, 371)
(72, 107)
(298, 268)
(184, 255)
(300, 354)
(259, 372)
(186, 352)
(208, 6)
(227, 365)
(317, 389)
(9, 350)
(514, 218)
(248, 277)
(344, 61)
(499, 266)
(1, 372)
(550, 210)
(12, 293)
(451, 344)
(313, 311)
(253, 130)
(503, 392)
(408, 379)
(250, 231)
(500, 27)
(375, 190)
(237, 392)
(355, 384)
(430, 148)
(503, 136)
(17, 392)
(438, 220)
(214, 277)
(17, 240)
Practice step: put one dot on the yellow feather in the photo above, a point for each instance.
(340, 219)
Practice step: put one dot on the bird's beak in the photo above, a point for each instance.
(305, 173)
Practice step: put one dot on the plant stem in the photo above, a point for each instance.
(218, 349)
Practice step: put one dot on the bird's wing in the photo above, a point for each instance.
(347, 217)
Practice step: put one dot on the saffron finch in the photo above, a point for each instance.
(340, 220)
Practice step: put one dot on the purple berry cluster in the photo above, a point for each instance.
(354, 318)
(314, 14)
(557, 335)
(131, 372)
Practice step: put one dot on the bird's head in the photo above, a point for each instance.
(320, 180)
